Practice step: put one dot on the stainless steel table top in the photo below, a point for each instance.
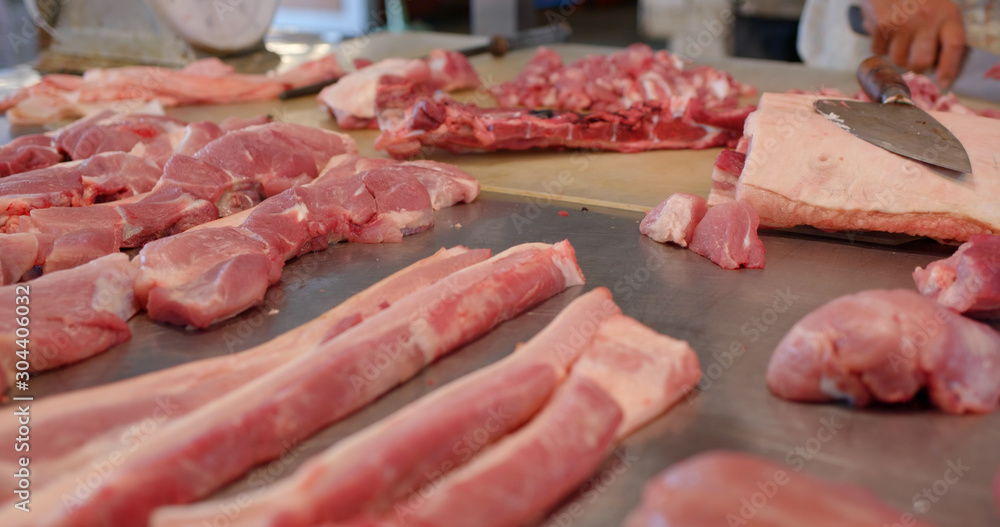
(897, 452)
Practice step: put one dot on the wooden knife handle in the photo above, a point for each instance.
(882, 83)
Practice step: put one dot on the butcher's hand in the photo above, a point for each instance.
(918, 34)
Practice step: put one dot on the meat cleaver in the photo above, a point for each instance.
(894, 122)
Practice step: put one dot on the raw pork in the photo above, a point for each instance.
(725, 175)
(718, 488)
(968, 281)
(28, 152)
(192, 456)
(351, 100)
(727, 235)
(101, 178)
(351, 478)
(410, 118)
(887, 346)
(73, 315)
(206, 81)
(222, 268)
(615, 82)
(801, 169)
(232, 174)
(628, 375)
(73, 429)
(674, 219)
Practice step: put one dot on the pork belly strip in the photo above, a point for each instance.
(189, 458)
(887, 346)
(73, 315)
(410, 119)
(967, 281)
(72, 430)
(801, 169)
(223, 267)
(230, 174)
(104, 177)
(351, 478)
(627, 375)
(718, 488)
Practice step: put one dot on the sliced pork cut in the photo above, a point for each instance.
(801, 169)
(206, 81)
(410, 119)
(28, 152)
(615, 82)
(231, 174)
(887, 346)
(727, 235)
(74, 428)
(351, 100)
(178, 284)
(101, 178)
(719, 487)
(674, 219)
(73, 315)
(192, 456)
(367, 473)
(968, 281)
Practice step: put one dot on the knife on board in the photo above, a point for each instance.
(893, 122)
(971, 81)
(498, 46)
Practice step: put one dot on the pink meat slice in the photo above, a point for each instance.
(411, 118)
(802, 169)
(559, 448)
(188, 458)
(104, 177)
(28, 152)
(727, 235)
(351, 478)
(644, 372)
(351, 100)
(447, 184)
(188, 279)
(451, 71)
(725, 175)
(968, 281)
(72, 236)
(277, 155)
(402, 204)
(206, 81)
(674, 219)
(18, 254)
(887, 346)
(116, 133)
(716, 488)
(81, 429)
(74, 315)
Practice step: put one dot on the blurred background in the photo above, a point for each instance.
(694, 28)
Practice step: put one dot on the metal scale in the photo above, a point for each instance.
(107, 33)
